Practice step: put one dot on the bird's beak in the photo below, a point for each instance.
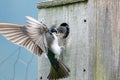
(57, 33)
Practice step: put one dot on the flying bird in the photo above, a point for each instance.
(38, 38)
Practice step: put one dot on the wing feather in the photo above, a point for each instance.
(37, 31)
(25, 36)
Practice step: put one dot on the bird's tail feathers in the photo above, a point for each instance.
(57, 72)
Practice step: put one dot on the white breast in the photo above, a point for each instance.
(54, 46)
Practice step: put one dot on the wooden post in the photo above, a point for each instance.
(92, 48)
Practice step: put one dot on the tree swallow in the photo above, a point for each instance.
(38, 38)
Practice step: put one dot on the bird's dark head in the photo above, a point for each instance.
(53, 30)
(64, 29)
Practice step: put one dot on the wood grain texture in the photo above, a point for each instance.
(92, 49)
(104, 30)
(53, 3)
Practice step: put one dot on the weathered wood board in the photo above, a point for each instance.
(92, 49)
(103, 16)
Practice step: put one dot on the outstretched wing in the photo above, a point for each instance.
(37, 32)
(27, 36)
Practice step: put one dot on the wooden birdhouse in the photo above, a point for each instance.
(92, 48)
